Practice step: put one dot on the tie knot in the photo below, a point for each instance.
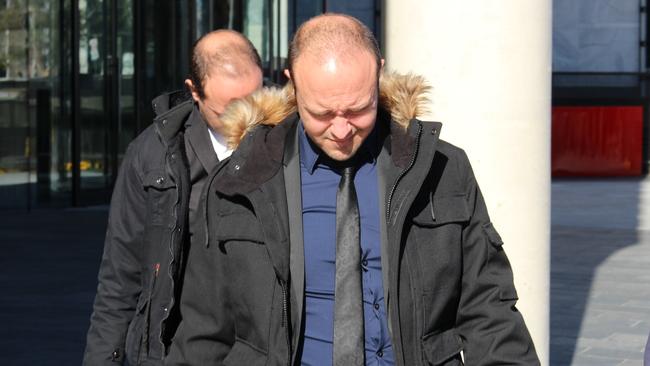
(348, 171)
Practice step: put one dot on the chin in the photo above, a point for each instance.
(340, 155)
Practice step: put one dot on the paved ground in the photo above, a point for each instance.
(600, 278)
(600, 272)
(48, 274)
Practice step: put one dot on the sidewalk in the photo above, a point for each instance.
(600, 277)
(48, 276)
(600, 272)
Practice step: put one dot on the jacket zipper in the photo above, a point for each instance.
(179, 193)
(156, 270)
(392, 191)
(285, 323)
(401, 175)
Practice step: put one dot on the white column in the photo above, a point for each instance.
(489, 63)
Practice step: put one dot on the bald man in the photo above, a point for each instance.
(153, 212)
(343, 231)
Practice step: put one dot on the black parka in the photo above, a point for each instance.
(448, 282)
(134, 313)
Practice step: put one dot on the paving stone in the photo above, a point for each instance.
(600, 271)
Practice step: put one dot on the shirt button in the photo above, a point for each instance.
(376, 306)
(380, 353)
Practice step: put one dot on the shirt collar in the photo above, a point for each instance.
(220, 144)
(311, 155)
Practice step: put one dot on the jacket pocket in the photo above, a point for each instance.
(443, 210)
(500, 264)
(236, 227)
(157, 183)
(435, 238)
(442, 348)
(243, 353)
(135, 333)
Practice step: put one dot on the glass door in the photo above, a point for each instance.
(92, 167)
(104, 98)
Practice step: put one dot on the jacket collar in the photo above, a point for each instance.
(266, 116)
(404, 97)
(198, 136)
(169, 123)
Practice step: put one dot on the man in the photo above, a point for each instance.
(154, 205)
(346, 233)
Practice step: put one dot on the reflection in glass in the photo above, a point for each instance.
(596, 36)
(93, 124)
(126, 86)
(31, 135)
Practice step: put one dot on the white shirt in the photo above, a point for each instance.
(219, 144)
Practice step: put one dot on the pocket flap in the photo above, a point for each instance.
(492, 234)
(236, 226)
(443, 210)
(158, 179)
(440, 347)
(243, 353)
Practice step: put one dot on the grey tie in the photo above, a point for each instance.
(348, 302)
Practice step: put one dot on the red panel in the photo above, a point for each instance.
(597, 141)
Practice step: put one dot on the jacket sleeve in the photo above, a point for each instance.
(206, 333)
(493, 330)
(119, 274)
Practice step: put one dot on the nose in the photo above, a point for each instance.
(341, 128)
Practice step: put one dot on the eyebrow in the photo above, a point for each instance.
(354, 109)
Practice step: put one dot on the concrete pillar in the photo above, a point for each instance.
(489, 63)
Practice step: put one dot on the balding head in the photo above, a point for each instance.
(225, 52)
(225, 67)
(334, 66)
(332, 35)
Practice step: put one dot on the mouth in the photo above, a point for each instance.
(344, 141)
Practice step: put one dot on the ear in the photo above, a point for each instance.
(190, 86)
(287, 74)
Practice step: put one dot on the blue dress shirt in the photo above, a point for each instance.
(319, 185)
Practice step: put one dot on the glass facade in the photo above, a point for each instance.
(600, 88)
(77, 78)
(599, 44)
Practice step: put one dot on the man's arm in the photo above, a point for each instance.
(206, 333)
(119, 273)
(492, 328)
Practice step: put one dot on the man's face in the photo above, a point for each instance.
(337, 101)
(220, 90)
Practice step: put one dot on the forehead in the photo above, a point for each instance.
(220, 89)
(335, 81)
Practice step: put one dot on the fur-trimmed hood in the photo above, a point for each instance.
(402, 95)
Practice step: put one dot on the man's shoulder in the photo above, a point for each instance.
(145, 139)
(146, 150)
(451, 150)
(452, 165)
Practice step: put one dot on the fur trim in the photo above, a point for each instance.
(403, 95)
(268, 106)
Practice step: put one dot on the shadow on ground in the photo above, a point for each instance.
(48, 278)
(599, 273)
